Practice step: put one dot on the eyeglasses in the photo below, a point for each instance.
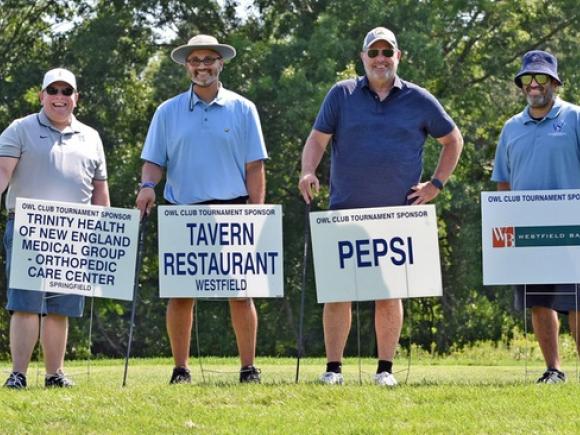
(540, 79)
(67, 92)
(387, 52)
(207, 61)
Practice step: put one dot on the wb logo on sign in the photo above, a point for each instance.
(503, 237)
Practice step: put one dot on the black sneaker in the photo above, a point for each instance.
(58, 380)
(552, 376)
(16, 381)
(249, 375)
(181, 375)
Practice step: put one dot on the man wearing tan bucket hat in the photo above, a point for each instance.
(209, 141)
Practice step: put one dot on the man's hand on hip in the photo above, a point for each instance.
(422, 193)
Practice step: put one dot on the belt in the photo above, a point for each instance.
(238, 200)
(10, 215)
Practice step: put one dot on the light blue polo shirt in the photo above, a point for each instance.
(205, 151)
(540, 155)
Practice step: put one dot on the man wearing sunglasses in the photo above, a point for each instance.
(209, 141)
(378, 125)
(538, 149)
(52, 156)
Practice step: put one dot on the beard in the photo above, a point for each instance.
(540, 101)
(385, 75)
(207, 80)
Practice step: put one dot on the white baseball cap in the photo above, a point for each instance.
(59, 75)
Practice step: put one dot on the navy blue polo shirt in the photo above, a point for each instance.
(377, 146)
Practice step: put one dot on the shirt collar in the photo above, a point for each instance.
(46, 122)
(553, 113)
(220, 98)
(364, 82)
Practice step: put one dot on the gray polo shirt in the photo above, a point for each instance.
(53, 165)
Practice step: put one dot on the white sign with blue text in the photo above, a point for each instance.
(220, 251)
(530, 237)
(74, 248)
(376, 253)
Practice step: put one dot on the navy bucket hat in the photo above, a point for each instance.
(538, 62)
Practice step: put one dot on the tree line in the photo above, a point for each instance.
(465, 52)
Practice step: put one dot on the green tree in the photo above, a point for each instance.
(289, 55)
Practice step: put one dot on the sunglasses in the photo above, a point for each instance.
(207, 61)
(540, 79)
(67, 92)
(387, 52)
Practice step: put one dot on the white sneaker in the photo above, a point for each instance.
(385, 379)
(331, 378)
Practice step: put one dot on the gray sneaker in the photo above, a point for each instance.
(552, 376)
(16, 381)
(58, 380)
(331, 378)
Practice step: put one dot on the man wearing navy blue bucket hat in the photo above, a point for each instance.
(539, 149)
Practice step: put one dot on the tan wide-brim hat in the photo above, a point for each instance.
(202, 42)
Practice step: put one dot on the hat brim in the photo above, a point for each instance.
(180, 54)
(392, 43)
(68, 82)
(535, 69)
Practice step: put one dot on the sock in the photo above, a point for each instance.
(334, 366)
(385, 366)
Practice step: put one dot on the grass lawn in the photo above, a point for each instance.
(442, 396)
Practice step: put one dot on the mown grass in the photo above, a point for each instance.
(439, 396)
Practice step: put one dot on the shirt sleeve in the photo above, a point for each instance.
(155, 148)
(255, 145)
(327, 119)
(10, 141)
(439, 123)
(501, 168)
(101, 168)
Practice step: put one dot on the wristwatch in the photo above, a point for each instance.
(147, 184)
(437, 183)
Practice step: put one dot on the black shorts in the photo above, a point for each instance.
(563, 303)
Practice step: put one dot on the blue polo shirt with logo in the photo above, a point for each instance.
(540, 154)
(205, 150)
(377, 146)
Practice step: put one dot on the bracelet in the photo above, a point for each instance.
(437, 183)
(147, 184)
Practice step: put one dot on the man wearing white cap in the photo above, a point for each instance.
(538, 149)
(48, 155)
(209, 141)
(378, 125)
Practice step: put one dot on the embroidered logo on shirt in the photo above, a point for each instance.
(558, 125)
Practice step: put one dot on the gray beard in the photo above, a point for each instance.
(540, 101)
